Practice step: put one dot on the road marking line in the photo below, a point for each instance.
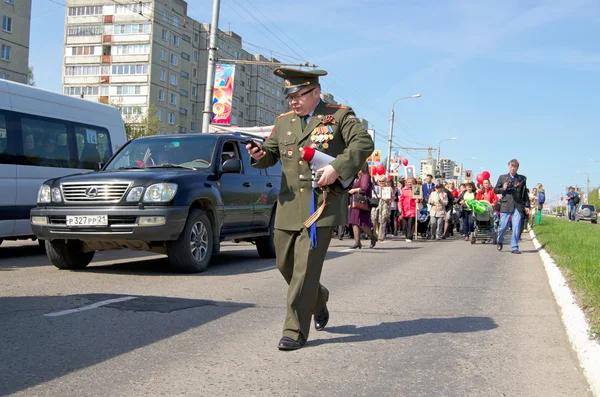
(266, 268)
(90, 307)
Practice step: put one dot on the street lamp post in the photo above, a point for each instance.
(437, 166)
(389, 152)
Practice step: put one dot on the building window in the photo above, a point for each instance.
(163, 55)
(195, 73)
(85, 50)
(193, 108)
(162, 75)
(234, 103)
(9, 2)
(166, 15)
(183, 93)
(173, 78)
(183, 130)
(81, 70)
(132, 28)
(170, 118)
(233, 119)
(261, 85)
(174, 60)
(164, 35)
(185, 75)
(159, 115)
(130, 69)
(175, 40)
(84, 11)
(129, 90)
(131, 49)
(161, 95)
(196, 56)
(193, 126)
(236, 54)
(196, 37)
(261, 98)
(176, 21)
(260, 114)
(90, 91)
(7, 24)
(183, 111)
(133, 8)
(187, 38)
(85, 30)
(194, 91)
(173, 99)
(185, 55)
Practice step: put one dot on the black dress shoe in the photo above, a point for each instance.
(355, 246)
(499, 246)
(321, 319)
(373, 242)
(515, 252)
(287, 343)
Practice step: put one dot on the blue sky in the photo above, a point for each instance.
(508, 78)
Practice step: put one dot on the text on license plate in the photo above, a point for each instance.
(87, 220)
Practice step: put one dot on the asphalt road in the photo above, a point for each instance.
(420, 319)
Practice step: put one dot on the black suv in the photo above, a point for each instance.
(179, 195)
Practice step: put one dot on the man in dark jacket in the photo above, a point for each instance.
(514, 201)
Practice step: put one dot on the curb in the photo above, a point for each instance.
(576, 325)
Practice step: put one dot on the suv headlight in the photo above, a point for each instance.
(56, 196)
(135, 194)
(160, 192)
(44, 194)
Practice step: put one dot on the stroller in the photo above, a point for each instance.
(485, 224)
(423, 222)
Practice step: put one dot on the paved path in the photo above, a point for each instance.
(420, 319)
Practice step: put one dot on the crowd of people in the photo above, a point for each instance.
(439, 212)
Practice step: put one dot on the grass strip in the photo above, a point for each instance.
(575, 247)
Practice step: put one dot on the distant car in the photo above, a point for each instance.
(586, 212)
(560, 214)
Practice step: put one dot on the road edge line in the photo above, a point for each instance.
(574, 321)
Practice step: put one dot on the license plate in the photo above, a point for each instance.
(87, 220)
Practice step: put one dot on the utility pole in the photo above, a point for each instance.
(210, 73)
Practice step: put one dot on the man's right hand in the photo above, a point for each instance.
(505, 185)
(256, 152)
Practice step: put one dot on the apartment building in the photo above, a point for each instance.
(153, 55)
(14, 39)
(447, 168)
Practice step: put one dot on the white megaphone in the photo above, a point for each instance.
(319, 160)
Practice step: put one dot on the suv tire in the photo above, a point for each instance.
(265, 245)
(192, 251)
(68, 255)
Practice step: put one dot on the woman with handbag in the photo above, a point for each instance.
(359, 215)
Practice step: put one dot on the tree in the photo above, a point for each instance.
(30, 76)
(138, 124)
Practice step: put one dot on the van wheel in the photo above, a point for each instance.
(68, 254)
(192, 251)
(265, 245)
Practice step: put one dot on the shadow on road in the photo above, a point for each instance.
(402, 329)
(37, 349)
(15, 257)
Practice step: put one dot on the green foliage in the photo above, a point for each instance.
(138, 124)
(593, 198)
(574, 247)
(30, 76)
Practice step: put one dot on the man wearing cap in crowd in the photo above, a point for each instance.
(301, 250)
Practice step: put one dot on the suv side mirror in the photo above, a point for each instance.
(98, 166)
(232, 166)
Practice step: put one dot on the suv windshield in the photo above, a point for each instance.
(177, 152)
(588, 206)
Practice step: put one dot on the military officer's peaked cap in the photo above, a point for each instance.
(296, 79)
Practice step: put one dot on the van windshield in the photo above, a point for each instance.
(190, 152)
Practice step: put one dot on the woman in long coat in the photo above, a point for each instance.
(361, 220)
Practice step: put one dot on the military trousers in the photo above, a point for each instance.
(301, 268)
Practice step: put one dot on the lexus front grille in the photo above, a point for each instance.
(99, 192)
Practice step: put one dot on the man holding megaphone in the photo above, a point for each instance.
(312, 201)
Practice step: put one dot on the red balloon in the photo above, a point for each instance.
(480, 178)
(380, 170)
(391, 176)
(405, 162)
(485, 174)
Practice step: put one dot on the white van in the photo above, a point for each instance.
(45, 135)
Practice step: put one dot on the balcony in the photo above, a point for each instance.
(104, 79)
(108, 19)
(105, 59)
(107, 38)
(82, 59)
(103, 99)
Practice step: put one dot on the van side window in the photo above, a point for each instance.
(45, 143)
(5, 146)
(93, 146)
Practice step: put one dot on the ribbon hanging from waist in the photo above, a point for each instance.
(311, 222)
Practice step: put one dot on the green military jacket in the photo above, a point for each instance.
(334, 130)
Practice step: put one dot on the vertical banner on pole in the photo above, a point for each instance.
(223, 94)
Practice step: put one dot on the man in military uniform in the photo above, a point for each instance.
(331, 129)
